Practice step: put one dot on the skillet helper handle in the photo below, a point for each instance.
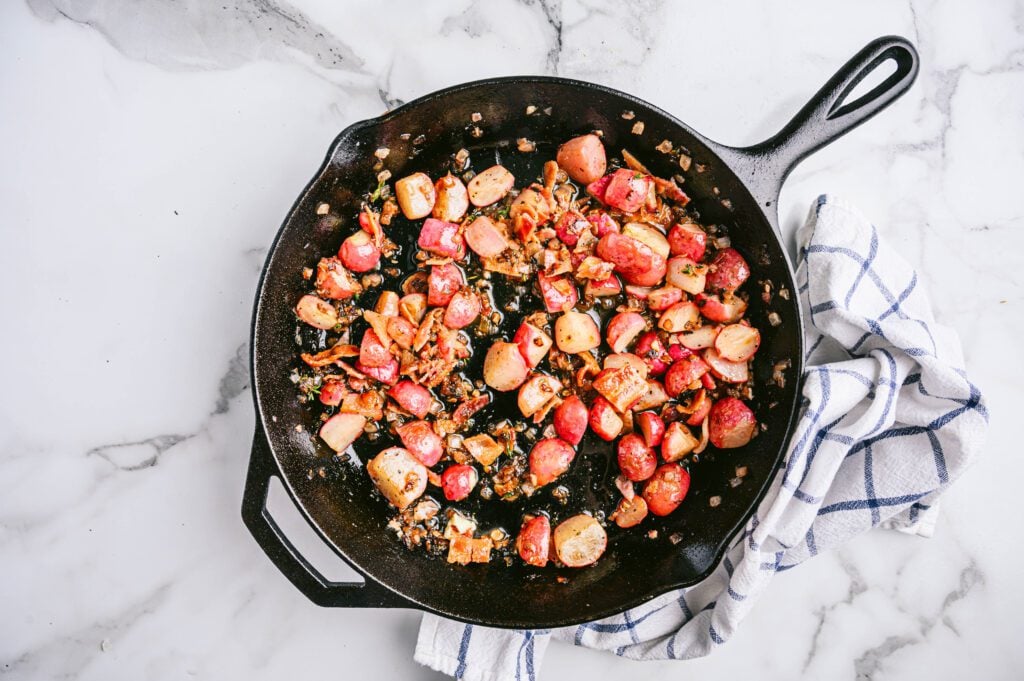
(301, 573)
(828, 115)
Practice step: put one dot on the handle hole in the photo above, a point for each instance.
(304, 538)
(873, 80)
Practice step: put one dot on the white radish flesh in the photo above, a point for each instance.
(731, 372)
(576, 332)
(580, 541)
(679, 317)
(490, 186)
(341, 430)
(648, 235)
(704, 337)
(398, 475)
(415, 195)
(504, 367)
(738, 342)
(686, 274)
(316, 312)
(536, 392)
(452, 199)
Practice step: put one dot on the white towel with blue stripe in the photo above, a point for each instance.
(889, 420)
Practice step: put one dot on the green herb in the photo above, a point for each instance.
(638, 175)
(501, 212)
(377, 192)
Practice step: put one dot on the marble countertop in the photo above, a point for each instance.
(151, 150)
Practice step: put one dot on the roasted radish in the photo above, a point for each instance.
(533, 343)
(678, 442)
(398, 475)
(416, 195)
(504, 367)
(490, 186)
(452, 199)
(412, 397)
(458, 481)
(570, 420)
(636, 459)
(317, 313)
(549, 458)
(731, 423)
(580, 541)
(666, 489)
(583, 158)
(576, 332)
(738, 342)
(341, 430)
(534, 541)
(422, 442)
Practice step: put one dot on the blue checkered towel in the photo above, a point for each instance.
(889, 420)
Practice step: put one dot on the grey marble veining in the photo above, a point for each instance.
(151, 150)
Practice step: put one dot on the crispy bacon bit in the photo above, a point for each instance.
(594, 268)
(369, 404)
(466, 409)
(330, 355)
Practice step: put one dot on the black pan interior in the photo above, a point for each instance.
(342, 504)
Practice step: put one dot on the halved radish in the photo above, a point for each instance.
(712, 307)
(533, 343)
(536, 392)
(490, 186)
(738, 342)
(701, 338)
(549, 458)
(686, 274)
(621, 359)
(731, 372)
(416, 195)
(678, 442)
(603, 288)
(679, 317)
(452, 199)
(630, 512)
(580, 541)
(341, 430)
(398, 475)
(663, 298)
(603, 419)
(484, 237)
(316, 312)
(570, 420)
(534, 541)
(576, 332)
(623, 328)
(653, 398)
(687, 239)
(649, 235)
(731, 423)
(504, 367)
(651, 427)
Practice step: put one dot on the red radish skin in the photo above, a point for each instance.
(663, 298)
(387, 374)
(687, 240)
(666, 489)
(598, 187)
(458, 481)
(372, 352)
(603, 288)
(442, 238)
(731, 372)
(652, 428)
(702, 405)
(570, 420)
(628, 190)
(682, 373)
(731, 423)
(358, 252)
(623, 329)
(712, 307)
(534, 541)
(412, 397)
(569, 227)
(533, 343)
(442, 283)
(652, 351)
(331, 393)
(559, 293)
(636, 460)
(603, 223)
(738, 342)
(422, 442)
(334, 281)
(728, 271)
(484, 237)
(583, 158)
(463, 309)
(549, 458)
(634, 260)
(603, 419)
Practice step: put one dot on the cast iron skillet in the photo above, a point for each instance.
(635, 568)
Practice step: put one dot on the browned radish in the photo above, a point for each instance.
(504, 367)
(713, 308)
(534, 541)
(415, 195)
(387, 304)
(731, 372)
(679, 318)
(333, 280)
(654, 397)
(462, 310)
(738, 342)
(602, 288)
(359, 253)
(316, 312)
(341, 430)
(629, 512)
(398, 475)
(636, 460)
(372, 352)
(621, 386)
(579, 541)
(728, 271)
(452, 199)
(701, 338)
(443, 238)
(442, 283)
(458, 481)
(684, 373)
(483, 448)
(422, 442)
(532, 203)
(484, 237)
(570, 420)
(402, 331)
(583, 158)
(731, 423)
(576, 332)
(537, 392)
(533, 343)
(490, 186)
(678, 442)
(623, 328)
(686, 274)
(549, 458)
(652, 427)
(666, 489)
(628, 190)
(413, 306)
(648, 235)
(621, 359)
(701, 404)
(634, 260)
(603, 419)
(559, 293)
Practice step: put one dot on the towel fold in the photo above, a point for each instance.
(888, 421)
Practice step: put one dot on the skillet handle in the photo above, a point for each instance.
(301, 573)
(827, 116)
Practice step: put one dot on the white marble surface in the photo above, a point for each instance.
(150, 150)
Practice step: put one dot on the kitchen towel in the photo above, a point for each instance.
(888, 421)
